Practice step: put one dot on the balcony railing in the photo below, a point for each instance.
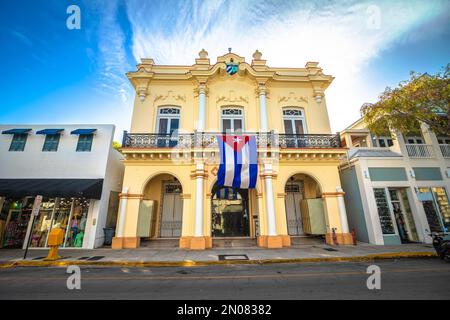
(420, 150)
(445, 150)
(208, 139)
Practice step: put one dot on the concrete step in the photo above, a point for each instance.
(307, 240)
(160, 243)
(234, 242)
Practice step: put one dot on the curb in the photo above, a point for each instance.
(189, 263)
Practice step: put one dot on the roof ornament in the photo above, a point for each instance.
(257, 55)
(229, 50)
(203, 54)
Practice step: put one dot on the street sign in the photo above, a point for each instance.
(34, 213)
(36, 205)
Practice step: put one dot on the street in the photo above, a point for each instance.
(400, 279)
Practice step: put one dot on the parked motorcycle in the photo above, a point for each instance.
(441, 246)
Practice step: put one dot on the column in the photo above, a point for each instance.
(263, 122)
(342, 211)
(272, 239)
(201, 107)
(199, 241)
(117, 242)
(198, 230)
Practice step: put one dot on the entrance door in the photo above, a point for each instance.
(294, 194)
(229, 212)
(403, 216)
(171, 213)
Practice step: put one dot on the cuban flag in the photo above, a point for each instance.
(238, 161)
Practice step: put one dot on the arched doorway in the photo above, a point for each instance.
(163, 196)
(304, 207)
(230, 215)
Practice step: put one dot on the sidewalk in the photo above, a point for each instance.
(176, 257)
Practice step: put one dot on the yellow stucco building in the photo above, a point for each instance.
(171, 155)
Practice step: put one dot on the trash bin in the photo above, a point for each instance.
(109, 234)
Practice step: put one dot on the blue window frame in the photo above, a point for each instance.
(85, 142)
(51, 142)
(18, 142)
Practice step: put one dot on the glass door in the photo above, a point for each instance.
(403, 216)
(167, 127)
(229, 212)
(232, 120)
(294, 127)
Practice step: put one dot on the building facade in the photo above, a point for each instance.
(397, 186)
(74, 168)
(171, 155)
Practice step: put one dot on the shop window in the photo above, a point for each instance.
(75, 231)
(14, 219)
(85, 142)
(51, 142)
(18, 142)
(384, 213)
(443, 204)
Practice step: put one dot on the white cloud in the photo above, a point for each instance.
(113, 58)
(335, 34)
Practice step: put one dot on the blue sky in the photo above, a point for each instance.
(51, 74)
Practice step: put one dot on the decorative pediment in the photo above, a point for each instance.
(170, 95)
(292, 97)
(232, 97)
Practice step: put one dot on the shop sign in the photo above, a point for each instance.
(36, 205)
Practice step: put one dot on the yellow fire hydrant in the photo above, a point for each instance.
(55, 239)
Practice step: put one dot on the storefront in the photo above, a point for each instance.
(17, 226)
(69, 204)
(437, 208)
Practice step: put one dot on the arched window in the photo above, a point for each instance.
(294, 121)
(232, 119)
(168, 120)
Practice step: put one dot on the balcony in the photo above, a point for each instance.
(420, 151)
(445, 150)
(208, 139)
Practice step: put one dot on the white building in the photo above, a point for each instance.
(396, 187)
(75, 169)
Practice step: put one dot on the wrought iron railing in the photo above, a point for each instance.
(209, 139)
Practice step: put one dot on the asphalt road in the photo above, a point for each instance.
(400, 279)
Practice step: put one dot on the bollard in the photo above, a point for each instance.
(55, 239)
(335, 241)
(354, 236)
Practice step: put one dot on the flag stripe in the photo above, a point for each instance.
(253, 167)
(221, 171)
(237, 167)
(229, 165)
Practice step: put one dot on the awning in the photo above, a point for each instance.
(83, 131)
(16, 131)
(49, 131)
(64, 188)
